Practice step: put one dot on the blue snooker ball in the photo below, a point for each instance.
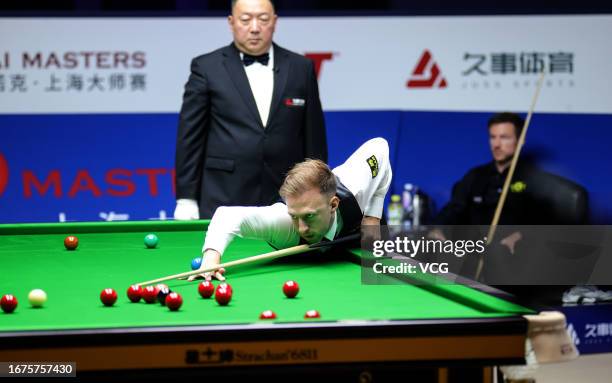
(196, 263)
(151, 240)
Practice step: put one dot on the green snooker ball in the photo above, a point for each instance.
(151, 240)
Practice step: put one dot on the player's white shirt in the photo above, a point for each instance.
(273, 223)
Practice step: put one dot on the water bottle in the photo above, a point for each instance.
(395, 214)
(416, 209)
(407, 204)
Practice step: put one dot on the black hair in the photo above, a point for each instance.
(512, 118)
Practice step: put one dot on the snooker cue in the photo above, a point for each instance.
(504, 194)
(256, 258)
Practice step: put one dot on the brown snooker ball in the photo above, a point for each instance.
(71, 242)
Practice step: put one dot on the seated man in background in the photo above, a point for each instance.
(474, 201)
(529, 202)
(318, 203)
(475, 196)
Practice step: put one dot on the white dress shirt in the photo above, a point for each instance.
(273, 223)
(261, 80)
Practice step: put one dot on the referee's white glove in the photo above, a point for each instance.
(186, 209)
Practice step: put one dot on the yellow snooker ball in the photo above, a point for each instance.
(37, 297)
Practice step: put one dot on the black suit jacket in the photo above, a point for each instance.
(224, 155)
(474, 198)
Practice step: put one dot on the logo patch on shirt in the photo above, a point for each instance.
(477, 199)
(295, 102)
(373, 164)
(518, 187)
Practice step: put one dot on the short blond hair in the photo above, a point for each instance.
(307, 175)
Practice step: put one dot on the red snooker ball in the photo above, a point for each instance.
(312, 314)
(149, 294)
(71, 242)
(223, 294)
(268, 314)
(291, 289)
(134, 293)
(174, 301)
(8, 303)
(108, 297)
(206, 289)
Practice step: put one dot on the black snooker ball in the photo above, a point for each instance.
(162, 294)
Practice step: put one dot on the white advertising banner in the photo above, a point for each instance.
(139, 65)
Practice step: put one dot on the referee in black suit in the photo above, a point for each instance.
(251, 110)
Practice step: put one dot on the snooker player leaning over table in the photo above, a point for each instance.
(318, 203)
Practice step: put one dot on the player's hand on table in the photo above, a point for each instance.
(186, 210)
(211, 258)
(370, 232)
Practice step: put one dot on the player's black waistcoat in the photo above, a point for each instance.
(349, 210)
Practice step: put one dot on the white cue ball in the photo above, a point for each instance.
(37, 297)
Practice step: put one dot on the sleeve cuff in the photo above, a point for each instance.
(219, 243)
(375, 207)
(187, 202)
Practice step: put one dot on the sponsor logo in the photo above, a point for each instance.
(319, 58)
(373, 164)
(250, 355)
(518, 187)
(516, 69)
(117, 182)
(4, 173)
(295, 102)
(573, 334)
(426, 74)
(597, 333)
(57, 72)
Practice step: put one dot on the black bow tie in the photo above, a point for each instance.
(262, 59)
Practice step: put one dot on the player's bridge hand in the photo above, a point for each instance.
(218, 274)
(212, 258)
